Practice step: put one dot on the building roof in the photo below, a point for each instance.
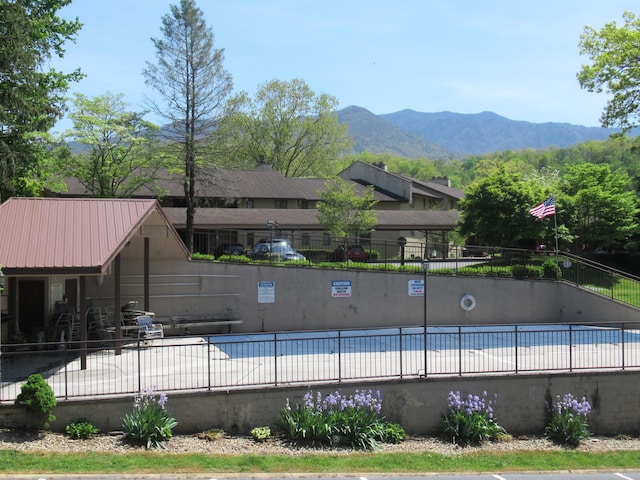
(294, 219)
(239, 184)
(67, 235)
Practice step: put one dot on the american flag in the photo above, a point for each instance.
(544, 209)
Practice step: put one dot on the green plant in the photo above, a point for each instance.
(82, 429)
(234, 258)
(212, 434)
(38, 398)
(202, 256)
(567, 420)
(261, 434)
(149, 423)
(336, 419)
(551, 269)
(470, 421)
(393, 433)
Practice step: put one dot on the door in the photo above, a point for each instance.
(71, 292)
(31, 305)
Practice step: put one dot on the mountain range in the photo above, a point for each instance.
(447, 135)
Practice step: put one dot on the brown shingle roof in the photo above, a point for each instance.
(240, 184)
(255, 219)
(56, 235)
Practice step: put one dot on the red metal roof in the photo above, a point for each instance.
(49, 235)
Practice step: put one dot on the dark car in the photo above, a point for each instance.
(235, 249)
(278, 250)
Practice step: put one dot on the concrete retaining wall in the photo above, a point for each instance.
(303, 298)
(415, 404)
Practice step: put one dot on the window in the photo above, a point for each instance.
(280, 204)
(250, 203)
(304, 240)
(303, 204)
(326, 239)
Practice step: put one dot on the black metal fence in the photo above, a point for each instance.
(446, 258)
(294, 358)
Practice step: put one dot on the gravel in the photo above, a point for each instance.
(224, 444)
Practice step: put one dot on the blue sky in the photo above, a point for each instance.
(516, 58)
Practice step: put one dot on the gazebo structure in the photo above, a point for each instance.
(51, 247)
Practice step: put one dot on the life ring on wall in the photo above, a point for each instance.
(468, 302)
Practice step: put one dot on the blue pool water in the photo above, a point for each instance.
(439, 338)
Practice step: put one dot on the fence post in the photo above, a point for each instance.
(275, 359)
(400, 348)
(516, 347)
(339, 356)
(139, 367)
(622, 329)
(570, 348)
(459, 350)
(208, 363)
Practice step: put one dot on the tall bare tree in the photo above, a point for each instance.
(193, 87)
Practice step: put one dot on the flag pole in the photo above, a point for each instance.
(555, 224)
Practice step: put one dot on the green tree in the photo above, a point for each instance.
(601, 208)
(613, 52)
(119, 148)
(291, 128)
(344, 212)
(31, 96)
(496, 210)
(193, 87)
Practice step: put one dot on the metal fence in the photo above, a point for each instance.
(446, 258)
(294, 358)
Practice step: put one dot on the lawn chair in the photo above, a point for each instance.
(69, 322)
(148, 330)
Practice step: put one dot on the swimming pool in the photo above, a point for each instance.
(439, 338)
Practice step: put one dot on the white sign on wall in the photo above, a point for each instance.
(416, 288)
(266, 292)
(341, 288)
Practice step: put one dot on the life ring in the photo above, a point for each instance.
(468, 302)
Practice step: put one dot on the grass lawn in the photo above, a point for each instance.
(14, 462)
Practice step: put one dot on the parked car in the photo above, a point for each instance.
(356, 253)
(235, 249)
(278, 250)
(535, 246)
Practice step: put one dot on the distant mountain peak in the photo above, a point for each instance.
(445, 135)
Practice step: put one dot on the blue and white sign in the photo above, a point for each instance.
(266, 292)
(341, 288)
(416, 288)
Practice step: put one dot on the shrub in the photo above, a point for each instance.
(149, 423)
(552, 269)
(202, 256)
(234, 258)
(471, 420)
(38, 398)
(393, 433)
(336, 419)
(527, 271)
(82, 429)
(567, 420)
(373, 255)
(261, 434)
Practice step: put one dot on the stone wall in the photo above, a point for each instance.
(416, 404)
